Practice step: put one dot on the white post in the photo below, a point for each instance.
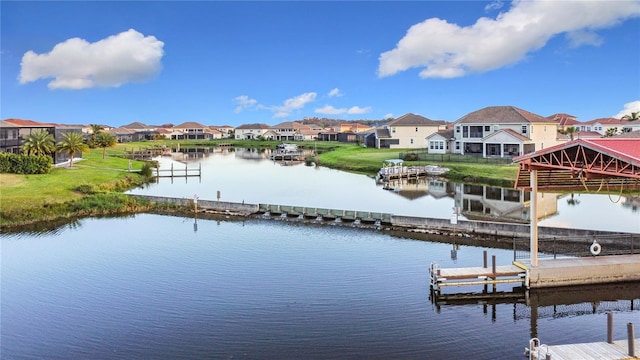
(533, 243)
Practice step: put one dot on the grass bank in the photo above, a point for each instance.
(94, 186)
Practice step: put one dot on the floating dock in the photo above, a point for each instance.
(585, 351)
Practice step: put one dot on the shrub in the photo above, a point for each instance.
(25, 164)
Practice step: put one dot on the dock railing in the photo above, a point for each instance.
(574, 246)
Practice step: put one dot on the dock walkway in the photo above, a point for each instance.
(586, 351)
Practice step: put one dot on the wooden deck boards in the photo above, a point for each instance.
(477, 272)
(590, 351)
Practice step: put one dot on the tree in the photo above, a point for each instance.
(40, 142)
(72, 142)
(611, 132)
(95, 130)
(571, 130)
(105, 140)
(635, 115)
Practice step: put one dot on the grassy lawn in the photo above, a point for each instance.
(20, 191)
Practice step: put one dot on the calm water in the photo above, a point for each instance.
(161, 287)
(246, 175)
(158, 287)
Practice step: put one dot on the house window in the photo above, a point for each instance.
(487, 128)
(524, 129)
(431, 145)
(457, 145)
(416, 129)
(458, 129)
(465, 131)
(441, 145)
(393, 130)
(412, 141)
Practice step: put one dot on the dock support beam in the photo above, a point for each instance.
(533, 244)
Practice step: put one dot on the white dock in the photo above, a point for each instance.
(475, 275)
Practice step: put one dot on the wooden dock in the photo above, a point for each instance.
(496, 274)
(178, 172)
(617, 350)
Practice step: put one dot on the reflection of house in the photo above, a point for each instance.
(408, 132)
(478, 202)
(251, 131)
(252, 154)
(503, 131)
(416, 188)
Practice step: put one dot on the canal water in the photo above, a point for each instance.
(248, 175)
(163, 287)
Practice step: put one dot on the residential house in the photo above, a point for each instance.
(410, 131)
(380, 138)
(503, 131)
(191, 130)
(289, 130)
(564, 120)
(122, 134)
(440, 142)
(251, 131)
(354, 127)
(14, 132)
(225, 130)
(613, 125)
(140, 131)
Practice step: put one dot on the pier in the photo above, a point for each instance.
(393, 169)
(178, 171)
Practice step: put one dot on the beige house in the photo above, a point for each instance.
(503, 131)
(410, 131)
(192, 130)
(251, 131)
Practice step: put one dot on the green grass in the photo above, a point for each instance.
(93, 186)
(34, 191)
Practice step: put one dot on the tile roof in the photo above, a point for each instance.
(28, 123)
(290, 125)
(607, 121)
(502, 115)
(413, 120)
(631, 134)
(512, 133)
(564, 119)
(190, 125)
(5, 124)
(254, 126)
(135, 125)
(447, 134)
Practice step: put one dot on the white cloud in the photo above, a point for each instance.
(494, 5)
(243, 102)
(628, 109)
(294, 103)
(581, 37)
(358, 110)
(77, 64)
(446, 50)
(335, 92)
(330, 110)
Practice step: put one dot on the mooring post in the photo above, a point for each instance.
(172, 170)
(631, 337)
(609, 327)
(484, 258)
(493, 264)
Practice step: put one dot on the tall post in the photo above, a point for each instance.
(533, 243)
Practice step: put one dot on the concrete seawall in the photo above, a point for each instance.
(499, 229)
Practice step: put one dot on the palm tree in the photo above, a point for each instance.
(571, 130)
(105, 140)
(72, 142)
(40, 142)
(611, 132)
(635, 115)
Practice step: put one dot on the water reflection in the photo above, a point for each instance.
(249, 175)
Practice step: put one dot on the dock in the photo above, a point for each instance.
(178, 172)
(496, 274)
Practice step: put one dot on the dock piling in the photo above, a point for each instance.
(609, 327)
(484, 255)
(631, 342)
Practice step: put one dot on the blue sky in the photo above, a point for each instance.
(233, 63)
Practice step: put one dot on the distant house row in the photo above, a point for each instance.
(495, 131)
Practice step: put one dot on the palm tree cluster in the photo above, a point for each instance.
(42, 142)
(633, 116)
